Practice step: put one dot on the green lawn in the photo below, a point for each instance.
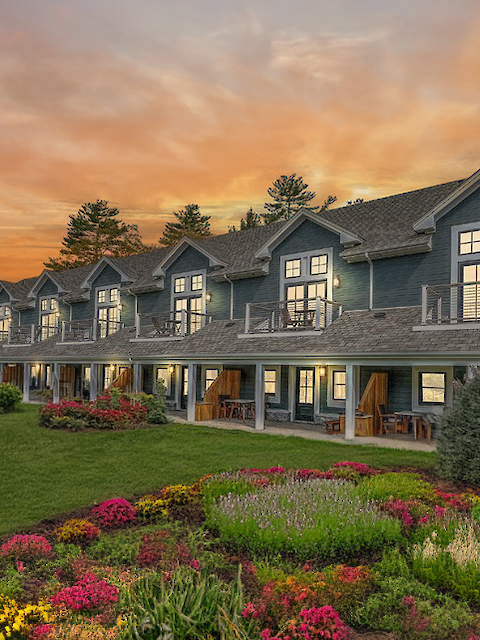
(44, 473)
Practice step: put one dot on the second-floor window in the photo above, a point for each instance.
(48, 317)
(108, 310)
(188, 301)
(5, 320)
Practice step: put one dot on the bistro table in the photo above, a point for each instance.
(416, 418)
(240, 406)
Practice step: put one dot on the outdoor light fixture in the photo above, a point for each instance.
(336, 281)
(171, 368)
(322, 372)
(208, 296)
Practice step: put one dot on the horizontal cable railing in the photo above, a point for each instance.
(78, 331)
(451, 303)
(286, 315)
(175, 324)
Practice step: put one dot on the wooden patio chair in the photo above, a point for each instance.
(388, 421)
(164, 328)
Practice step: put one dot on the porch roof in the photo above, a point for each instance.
(365, 333)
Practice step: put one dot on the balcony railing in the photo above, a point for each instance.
(451, 303)
(26, 334)
(305, 314)
(78, 331)
(173, 325)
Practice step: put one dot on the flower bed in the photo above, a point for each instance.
(303, 554)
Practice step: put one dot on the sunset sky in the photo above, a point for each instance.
(153, 104)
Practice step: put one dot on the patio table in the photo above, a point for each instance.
(243, 406)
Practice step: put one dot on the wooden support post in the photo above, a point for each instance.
(26, 381)
(192, 392)
(137, 378)
(2, 369)
(178, 387)
(259, 397)
(350, 401)
(292, 391)
(247, 317)
(93, 381)
(56, 382)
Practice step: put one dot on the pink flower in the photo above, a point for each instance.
(194, 564)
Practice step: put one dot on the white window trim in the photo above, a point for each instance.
(188, 293)
(3, 306)
(203, 374)
(431, 408)
(168, 386)
(339, 403)
(47, 311)
(305, 276)
(275, 399)
(456, 258)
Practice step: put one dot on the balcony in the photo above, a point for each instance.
(451, 306)
(173, 326)
(79, 331)
(290, 316)
(25, 335)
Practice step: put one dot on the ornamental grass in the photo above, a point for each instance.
(326, 519)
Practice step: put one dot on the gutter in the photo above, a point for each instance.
(370, 302)
(231, 295)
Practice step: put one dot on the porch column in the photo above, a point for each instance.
(93, 381)
(259, 397)
(350, 401)
(26, 381)
(137, 378)
(56, 382)
(192, 392)
(292, 391)
(2, 369)
(178, 387)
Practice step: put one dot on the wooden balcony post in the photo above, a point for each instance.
(192, 392)
(63, 330)
(26, 381)
(32, 334)
(95, 329)
(318, 310)
(350, 400)
(424, 304)
(9, 338)
(137, 325)
(247, 317)
(183, 323)
(259, 397)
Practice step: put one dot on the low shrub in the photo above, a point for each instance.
(114, 513)
(26, 547)
(187, 606)
(317, 518)
(10, 397)
(76, 530)
(312, 624)
(397, 486)
(16, 621)
(88, 594)
(152, 508)
(155, 405)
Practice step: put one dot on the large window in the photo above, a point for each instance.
(432, 387)
(188, 301)
(48, 317)
(272, 383)
(108, 310)
(5, 321)
(465, 269)
(339, 385)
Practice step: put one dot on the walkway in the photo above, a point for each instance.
(312, 432)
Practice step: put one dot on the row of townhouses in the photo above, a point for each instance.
(373, 306)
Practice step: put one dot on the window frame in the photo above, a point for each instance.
(273, 398)
(203, 375)
(331, 402)
(431, 407)
(108, 304)
(168, 382)
(306, 276)
(189, 294)
(47, 331)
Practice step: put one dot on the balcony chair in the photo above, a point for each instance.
(388, 421)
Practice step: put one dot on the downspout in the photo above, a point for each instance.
(370, 304)
(71, 310)
(231, 295)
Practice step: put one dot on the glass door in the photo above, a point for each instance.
(305, 393)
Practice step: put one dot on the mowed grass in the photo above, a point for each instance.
(46, 473)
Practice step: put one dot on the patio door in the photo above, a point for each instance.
(301, 303)
(305, 394)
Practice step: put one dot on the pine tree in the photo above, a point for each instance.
(190, 223)
(95, 231)
(250, 221)
(290, 194)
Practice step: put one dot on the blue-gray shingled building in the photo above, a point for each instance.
(361, 311)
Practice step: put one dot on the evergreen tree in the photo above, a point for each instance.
(290, 194)
(190, 223)
(94, 231)
(250, 221)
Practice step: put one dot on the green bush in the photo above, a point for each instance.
(189, 606)
(10, 397)
(458, 443)
(155, 405)
(397, 486)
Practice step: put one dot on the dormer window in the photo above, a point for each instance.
(48, 317)
(293, 268)
(108, 310)
(319, 264)
(469, 242)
